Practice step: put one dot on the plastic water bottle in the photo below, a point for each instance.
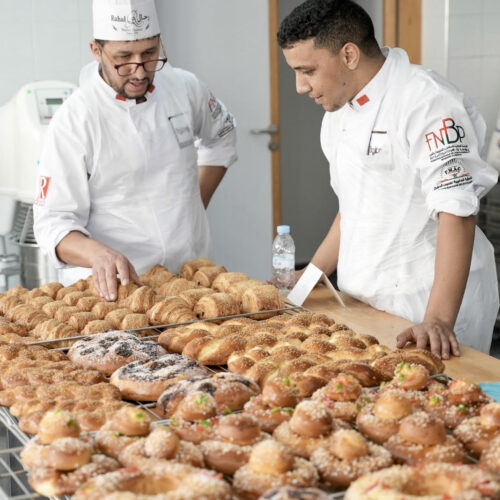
(284, 260)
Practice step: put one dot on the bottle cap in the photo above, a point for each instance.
(283, 229)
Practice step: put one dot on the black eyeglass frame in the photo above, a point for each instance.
(163, 60)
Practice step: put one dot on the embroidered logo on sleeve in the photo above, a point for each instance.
(453, 175)
(214, 105)
(447, 141)
(43, 188)
(227, 126)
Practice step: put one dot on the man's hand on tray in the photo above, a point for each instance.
(432, 333)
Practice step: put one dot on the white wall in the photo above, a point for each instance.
(461, 40)
(43, 40)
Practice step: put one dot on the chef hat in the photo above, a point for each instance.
(125, 19)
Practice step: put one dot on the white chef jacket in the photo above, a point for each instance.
(126, 174)
(406, 148)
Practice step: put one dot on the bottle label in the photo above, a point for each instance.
(284, 261)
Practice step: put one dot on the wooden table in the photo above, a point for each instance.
(472, 364)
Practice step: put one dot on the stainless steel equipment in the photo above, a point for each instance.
(35, 268)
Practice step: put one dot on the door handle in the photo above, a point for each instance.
(272, 129)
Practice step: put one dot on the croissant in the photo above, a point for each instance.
(238, 289)
(115, 317)
(261, 298)
(32, 294)
(224, 280)
(27, 316)
(51, 308)
(79, 320)
(8, 327)
(81, 285)
(88, 302)
(62, 292)
(96, 326)
(65, 312)
(71, 299)
(17, 291)
(189, 268)
(215, 305)
(159, 314)
(141, 299)
(156, 276)
(53, 329)
(39, 302)
(51, 288)
(101, 309)
(136, 320)
(8, 302)
(205, 275)
(175, 286)
(193, 295)
(125, 290)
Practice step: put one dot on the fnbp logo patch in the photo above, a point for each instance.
(449, 133)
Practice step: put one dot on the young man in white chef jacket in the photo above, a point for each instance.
(132, 158)
(404, 151)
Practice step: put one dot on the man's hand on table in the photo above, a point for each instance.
(106, 264)
(434, 333)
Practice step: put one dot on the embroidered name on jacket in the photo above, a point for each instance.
(447, 141)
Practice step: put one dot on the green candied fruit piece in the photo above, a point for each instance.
(339, 387)
(401, 377)
(205, 423)
(462, 408)
(139, 415)
(227, 410)
(287, 381)
(359, 407)
(201, 399)
(288, 409)
(71, 422)
(115, 434)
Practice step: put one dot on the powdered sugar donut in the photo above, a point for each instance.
(108, 351)
(146, 380)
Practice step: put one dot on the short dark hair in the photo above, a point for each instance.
(332, 24)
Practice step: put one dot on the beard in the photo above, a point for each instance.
(119, 88)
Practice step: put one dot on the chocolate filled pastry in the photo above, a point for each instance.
(216, 305)
(146, 380)
(205, 275)
(224, 280)
(240, 287)
(193, 295)
(189, 268)
(109, 351)
(261, 298)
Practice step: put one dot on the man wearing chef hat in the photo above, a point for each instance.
(404, 151)
(132, 158)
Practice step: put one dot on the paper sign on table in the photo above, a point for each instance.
(307, 282)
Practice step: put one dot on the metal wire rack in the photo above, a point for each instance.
(13, 475)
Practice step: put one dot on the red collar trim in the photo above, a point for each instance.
(120, 97)
(151, 88)
(362, 100)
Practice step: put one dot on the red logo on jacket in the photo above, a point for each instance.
(43, 188)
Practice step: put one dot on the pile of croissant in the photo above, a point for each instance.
(201, 290)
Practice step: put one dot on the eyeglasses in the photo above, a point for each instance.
(151, 65)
